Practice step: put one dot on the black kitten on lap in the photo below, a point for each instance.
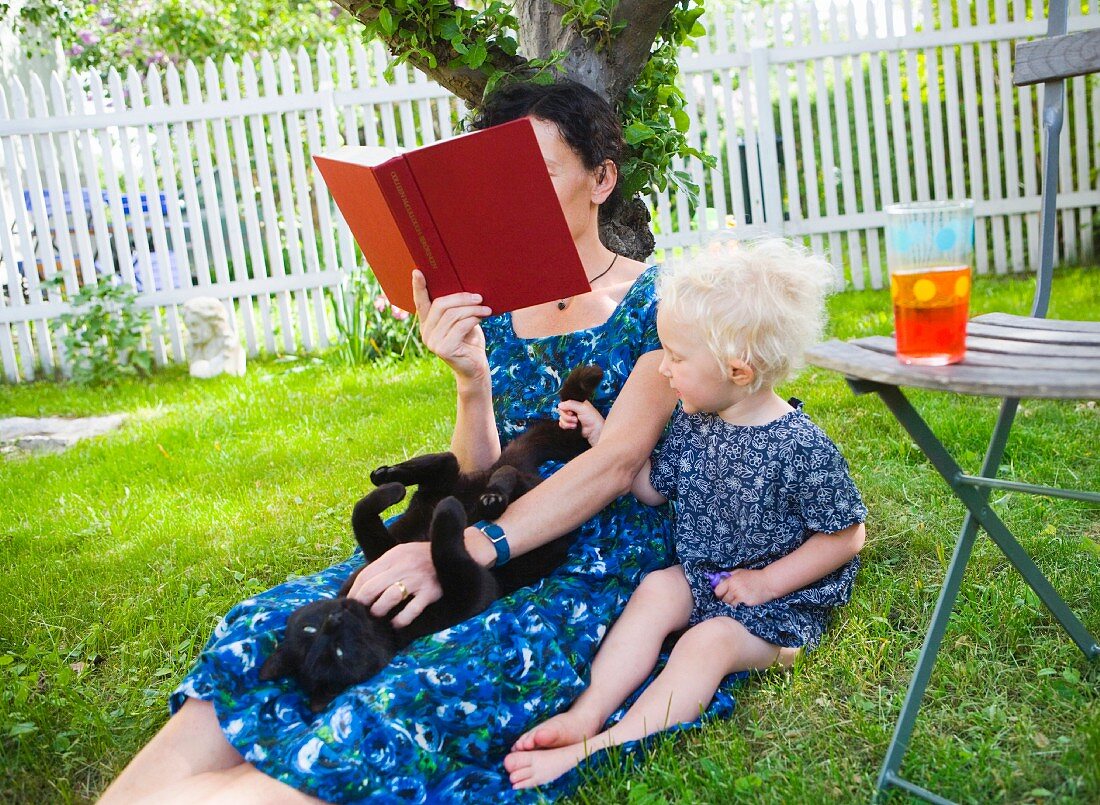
(334, 643)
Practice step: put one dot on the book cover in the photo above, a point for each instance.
(475, 213)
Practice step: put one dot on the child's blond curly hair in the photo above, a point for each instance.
(761, 302)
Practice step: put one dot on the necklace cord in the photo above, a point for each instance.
(564, 303)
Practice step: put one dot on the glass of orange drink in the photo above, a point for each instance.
(930, 252)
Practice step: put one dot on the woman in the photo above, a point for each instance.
(436, 724)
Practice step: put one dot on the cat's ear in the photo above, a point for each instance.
(277, 665)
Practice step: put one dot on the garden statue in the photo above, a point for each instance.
(214, 345)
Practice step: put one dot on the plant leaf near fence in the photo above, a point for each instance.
(199, 181)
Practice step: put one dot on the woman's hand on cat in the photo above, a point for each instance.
(450, 327)
(409, 563)
(744, 586)
(582, 414)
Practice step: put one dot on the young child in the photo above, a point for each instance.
(768, 521)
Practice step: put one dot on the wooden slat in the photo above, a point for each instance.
(1009, 320)
(1020, 347)
(866, 364)
(1033, 335)
(886, 345)
(1057, 57)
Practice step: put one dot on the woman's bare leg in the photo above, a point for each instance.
(190, 744)
(660, 606)
(242, 784)
(700, 661)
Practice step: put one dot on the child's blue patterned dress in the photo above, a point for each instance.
(747, 495)
(435, 725)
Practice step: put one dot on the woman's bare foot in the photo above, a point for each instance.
(531, 769)
(570, 727)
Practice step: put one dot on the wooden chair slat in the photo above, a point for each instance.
(1056, 57)
(986, 381)
(1009, 320)
(1033, 335)
(976, 357)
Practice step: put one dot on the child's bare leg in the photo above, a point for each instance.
(660, 606)
(701, 659)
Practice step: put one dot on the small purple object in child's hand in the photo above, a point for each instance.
(715, 577)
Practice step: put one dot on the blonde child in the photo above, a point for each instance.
(768, 521)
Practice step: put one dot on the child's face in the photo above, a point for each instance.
(691, 369)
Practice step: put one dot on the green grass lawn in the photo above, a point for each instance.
(119, 556)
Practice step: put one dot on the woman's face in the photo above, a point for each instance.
(578, 188)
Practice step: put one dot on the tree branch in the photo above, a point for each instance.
(465, 82)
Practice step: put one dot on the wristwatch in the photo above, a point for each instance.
(496, 536)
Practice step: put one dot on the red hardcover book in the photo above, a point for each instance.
(475, 213)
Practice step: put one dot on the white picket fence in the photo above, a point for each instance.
(807, 115)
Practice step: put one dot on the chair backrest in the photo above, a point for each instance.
(1050, 61)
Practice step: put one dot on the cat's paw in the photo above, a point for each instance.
(381, 475)
(378, 500)
(582, 382)
(492, 504)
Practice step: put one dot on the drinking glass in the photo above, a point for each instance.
(930, 251)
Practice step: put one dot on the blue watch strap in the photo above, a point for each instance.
(496, 536)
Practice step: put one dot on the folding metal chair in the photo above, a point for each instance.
(1012, 357)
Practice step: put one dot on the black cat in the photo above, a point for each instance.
(334, 643)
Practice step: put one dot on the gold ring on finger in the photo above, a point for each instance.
(400, 585)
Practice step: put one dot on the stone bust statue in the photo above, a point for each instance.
(214, 345)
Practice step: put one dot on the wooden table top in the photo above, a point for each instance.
(1006, 356)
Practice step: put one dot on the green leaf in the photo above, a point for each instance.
(637, 133)
(386, 22)
(683, 122)
(476, 55)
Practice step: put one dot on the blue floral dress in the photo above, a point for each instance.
(434, 726)
(747, 495)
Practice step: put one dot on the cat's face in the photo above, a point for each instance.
(330, 645)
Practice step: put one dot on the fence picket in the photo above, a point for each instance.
(42, 255)
(273, 266)
(18, 322)
(192, 242)
(1065, 180)
(847, 163)
(973, 140)
(301, 188)
(1082, 169)
(807, 141)
(80, 211)
(916, 111)
(994, 186)
(156, 216)
(863, 144)
(935, 108)
(246, 202)
(58, 227)
(287, 225)
(733, 153)
(903, 148)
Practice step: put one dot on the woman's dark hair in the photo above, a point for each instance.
(587, 122)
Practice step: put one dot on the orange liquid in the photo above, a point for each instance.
(930, 313)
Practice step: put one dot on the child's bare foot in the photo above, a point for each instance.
(563, 729)
(786, 657)
(530, 769)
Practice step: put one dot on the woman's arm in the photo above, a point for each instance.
(814, 559)
(451, 328)
(558, 505)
